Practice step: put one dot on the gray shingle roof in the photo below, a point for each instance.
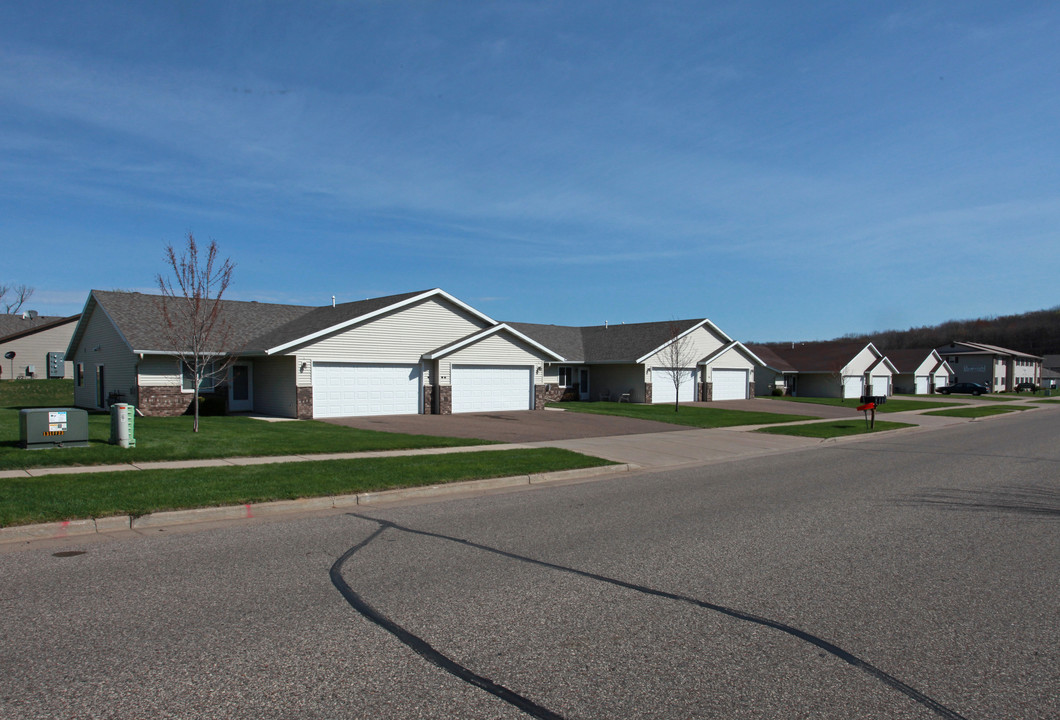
(770, 358)
(597, 343)
(12, 325)
(908, 361)
(254, 326)
(813, 357)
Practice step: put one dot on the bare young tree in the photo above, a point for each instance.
(20, 294)
(679, 353)
(191, 311)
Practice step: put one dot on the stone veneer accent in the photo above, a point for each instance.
(751, 390)
(541, 396)
(647, 393)
(708, 392)
(304, 401)
(445, 400)
(428, 399)
(163, 401)
(557, 393)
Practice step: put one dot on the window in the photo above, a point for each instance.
(566, 376)
(187, 379)
(79, 375)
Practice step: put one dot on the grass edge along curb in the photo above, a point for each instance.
(834, 428)
(977, 411)
(58, 498)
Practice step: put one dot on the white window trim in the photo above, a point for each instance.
(208, 380)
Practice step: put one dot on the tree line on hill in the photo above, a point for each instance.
(1036, 332)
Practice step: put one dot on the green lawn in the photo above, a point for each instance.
(979, 411)
(172, 438)
(91, 495)
(691, 416)
(1047, 400)
(834, 428)
(892, 404)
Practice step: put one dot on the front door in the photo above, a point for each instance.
(240, 388)
(583, 383)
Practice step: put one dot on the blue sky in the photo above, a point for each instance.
(791, 170)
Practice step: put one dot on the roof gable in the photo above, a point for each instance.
(624, 343)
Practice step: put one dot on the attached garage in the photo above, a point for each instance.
(853, 386)
(492, 388)
(662, 385)
(351, 389)
(881, 385)
(923, 386)
(729, 384)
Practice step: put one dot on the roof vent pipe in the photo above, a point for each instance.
(605, 324)
(332, 301)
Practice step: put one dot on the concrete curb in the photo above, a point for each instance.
(170, 518)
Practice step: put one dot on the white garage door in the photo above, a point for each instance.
(346, 389)
(729, 384)
(489, 388)
(881, 385)
(852, 386)
(662, 385)
(922, 387)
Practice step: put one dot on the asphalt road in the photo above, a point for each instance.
(910, 577)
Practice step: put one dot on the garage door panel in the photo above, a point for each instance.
(853, 386)
(663, 390)
(729, 384)
(357, 389)
(492, 388)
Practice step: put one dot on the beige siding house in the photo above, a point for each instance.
(419, 352)
(826, 369)
(635, 362)
(38, 344)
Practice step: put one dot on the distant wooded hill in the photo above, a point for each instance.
(1035, 332)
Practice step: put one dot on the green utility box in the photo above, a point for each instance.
(40, 428)
(122, 425)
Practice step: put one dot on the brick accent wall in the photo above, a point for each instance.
(428, 399)
(647, 393)
(304, 400)
(163, 401)
(445, 400)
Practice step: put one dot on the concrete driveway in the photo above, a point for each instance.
(521, 426)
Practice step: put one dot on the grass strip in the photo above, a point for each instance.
(978, 411)
(53, 498)
(834, 428)
(892, 405)
(171, 438)
(687, 415)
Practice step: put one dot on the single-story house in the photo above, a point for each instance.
(418, 352)
(775, 376)
(826, 369)
(38, 343)
(919, 371)
(998, 368)
(633, 362)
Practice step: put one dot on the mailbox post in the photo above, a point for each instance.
(868, 405)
